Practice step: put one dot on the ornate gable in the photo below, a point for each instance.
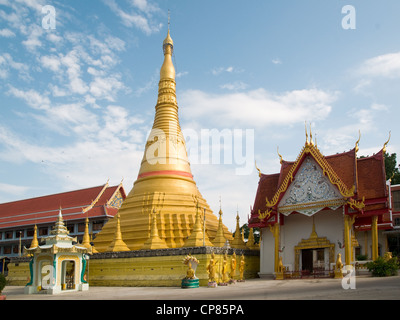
(310, 191)
(307, 151)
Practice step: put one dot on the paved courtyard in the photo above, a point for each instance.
(364, 288)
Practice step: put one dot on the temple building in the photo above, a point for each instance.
(164, 205)
(320, 206)
(59, 265)
(20, 219)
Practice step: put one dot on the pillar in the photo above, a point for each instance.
(275, 231)
(347, 240)
(374, 234)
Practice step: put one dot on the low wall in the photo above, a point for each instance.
(148, 268)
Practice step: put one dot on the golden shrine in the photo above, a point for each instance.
(163, 218)
(164, 205)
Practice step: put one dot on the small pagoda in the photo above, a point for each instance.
(59, 265)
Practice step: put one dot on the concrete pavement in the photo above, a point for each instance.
(363, 288)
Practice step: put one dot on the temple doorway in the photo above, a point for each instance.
(313, 260)
(307, 260)
(68, 268)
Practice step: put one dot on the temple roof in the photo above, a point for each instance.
(357, 179)
(45, 209)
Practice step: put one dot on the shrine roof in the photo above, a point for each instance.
(366, 174)
(372, 176)
(45, 209)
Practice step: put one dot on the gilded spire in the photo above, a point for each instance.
(35, 242)
(219, 240)
(167, 69)
(198, 237)
(59, 227)
(237, 241)
(250, 241)
(86, 238)
(118, 244)
(164, 170)
(154, 241)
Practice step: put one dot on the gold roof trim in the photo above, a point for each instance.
(326, 168)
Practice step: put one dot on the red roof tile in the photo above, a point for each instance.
(45, 209)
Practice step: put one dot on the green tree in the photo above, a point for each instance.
(246, 231)
(392, 171)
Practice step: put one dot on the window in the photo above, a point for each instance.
(71, 228)
(7, 250)
(81, 227)
(43, 231)
(30, 232)
(8, 235)
(396, 200)
(97, 225)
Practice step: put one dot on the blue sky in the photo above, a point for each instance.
(78, 101)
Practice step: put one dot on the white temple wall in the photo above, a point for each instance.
(328, 223)
(266, 253)
(296, 227)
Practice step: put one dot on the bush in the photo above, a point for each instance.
(362, 257)
(2, 282)
(383, 268)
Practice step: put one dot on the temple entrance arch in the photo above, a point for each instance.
(314, 254)
(68, 272)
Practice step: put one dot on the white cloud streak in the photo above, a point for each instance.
(258, 108)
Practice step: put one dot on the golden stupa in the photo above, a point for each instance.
(164, 196)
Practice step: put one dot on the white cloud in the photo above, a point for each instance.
(145, 6)
(344, 136)
(133, 19)
(237, 85)
(13, 189)
(257, 108)
(104, 145)
(7, 33)
(7, 63)
(386, 65)
(31, 97)
(276, 61)
(51, 62)
(219, 70)
(106, 88)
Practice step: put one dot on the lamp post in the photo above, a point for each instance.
(19, 247)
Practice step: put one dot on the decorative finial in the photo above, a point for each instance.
(259, 171)
(279, 155)
(386, 143)
(358, 141)
(311, 141)
(307, 142)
